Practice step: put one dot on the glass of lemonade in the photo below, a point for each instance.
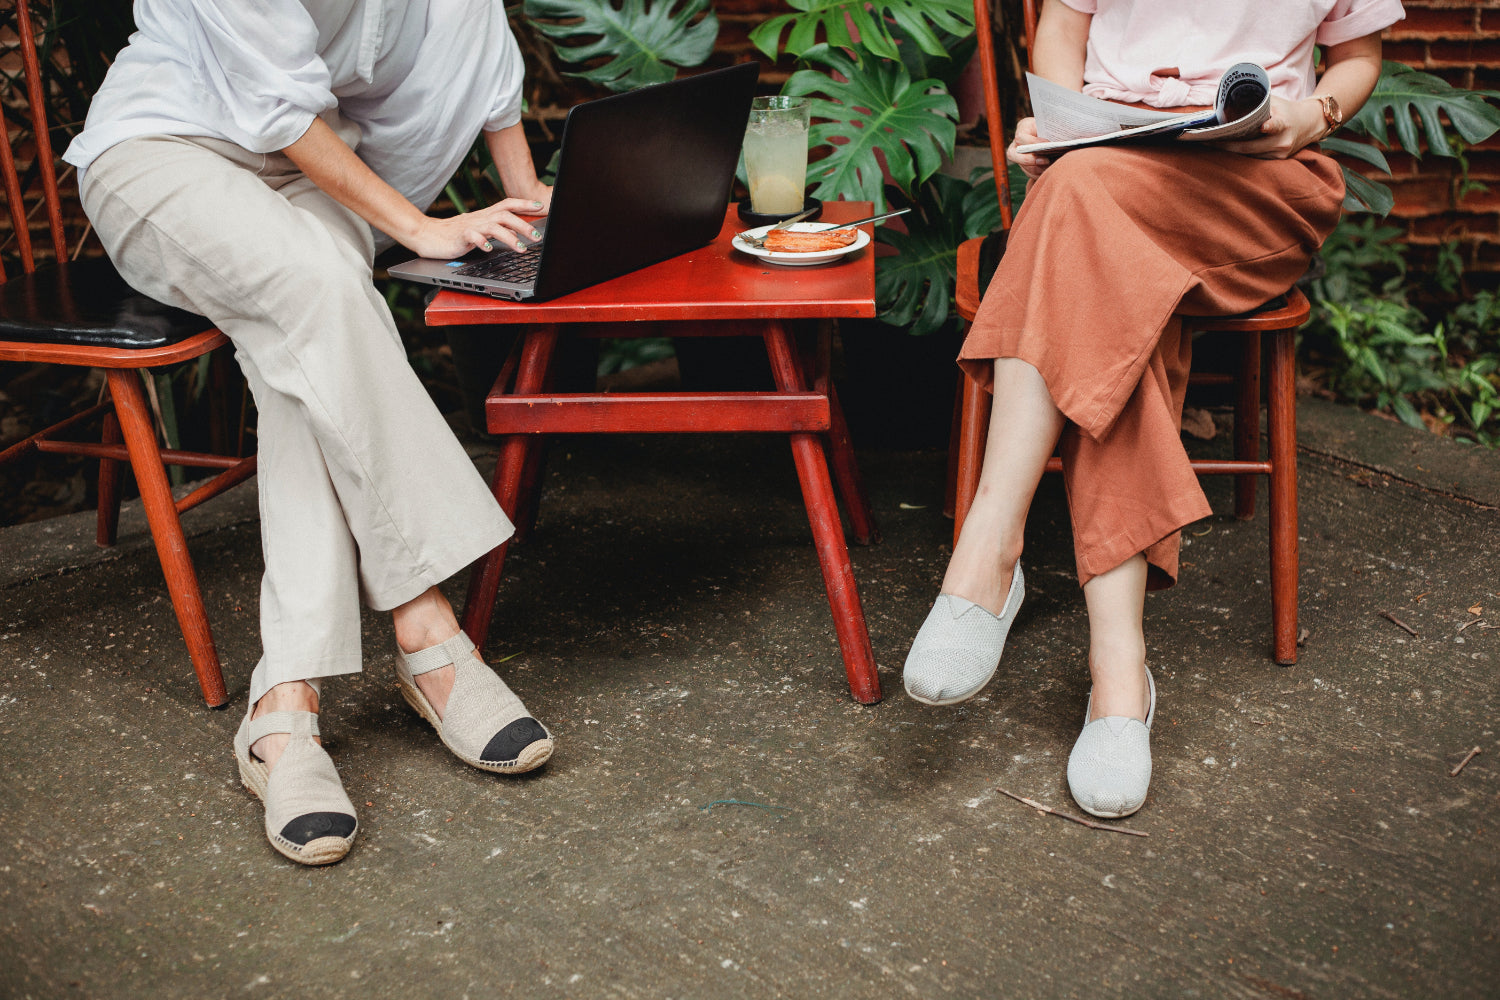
(776, 154)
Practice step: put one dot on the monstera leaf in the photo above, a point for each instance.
(1407, 93)
(919, 20)
(981, 206)
(1360, 193)
(915, 287)
(875, 107)
(644, 41)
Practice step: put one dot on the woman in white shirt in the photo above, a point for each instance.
(245, 162)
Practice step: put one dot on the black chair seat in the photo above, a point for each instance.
(87, 303)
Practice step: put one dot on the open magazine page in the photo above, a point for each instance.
(1066, 119)
(1063, 115)
(1242, 106)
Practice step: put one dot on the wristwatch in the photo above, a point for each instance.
(1332, 113)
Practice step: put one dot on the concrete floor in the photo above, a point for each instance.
(721, 821)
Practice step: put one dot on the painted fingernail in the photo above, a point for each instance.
(536, 235)
(485, 245)
(536, 204)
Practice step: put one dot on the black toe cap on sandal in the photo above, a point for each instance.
(506, 745)
(312, 826)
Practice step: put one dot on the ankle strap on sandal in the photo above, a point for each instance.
(293, 723)
(436, 657)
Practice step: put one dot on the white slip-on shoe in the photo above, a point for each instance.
(957, 649)
(484, 724)
(1109, 770)
(309, 818)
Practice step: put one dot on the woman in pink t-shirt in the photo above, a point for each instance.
(1079, 337)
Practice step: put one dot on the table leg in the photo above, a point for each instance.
(846, 474)
(506, 484)
(828, 533)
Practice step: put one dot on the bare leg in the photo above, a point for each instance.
(1024, 427)
(290, 696)
(1116, 601)
(425, 621)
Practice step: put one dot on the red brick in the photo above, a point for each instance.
(1453, 226)
(1443, 22)
(1411, 53)
(1422, 197)
(1482, 201)
(1483, 165)
(1489, 20)
(1468, 52)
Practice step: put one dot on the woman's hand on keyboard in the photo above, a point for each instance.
(509, 223)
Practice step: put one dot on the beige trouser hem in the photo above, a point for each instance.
(364, 491)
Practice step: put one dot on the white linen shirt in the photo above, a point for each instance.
(420, 79)
(1170, 53)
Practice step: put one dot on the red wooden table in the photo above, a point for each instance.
(712, 292)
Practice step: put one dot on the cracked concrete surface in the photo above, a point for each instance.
(721, 821)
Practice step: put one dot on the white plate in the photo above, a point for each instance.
(861, 239)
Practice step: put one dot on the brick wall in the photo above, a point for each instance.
(1458, 40)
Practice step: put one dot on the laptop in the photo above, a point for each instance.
(642, 176)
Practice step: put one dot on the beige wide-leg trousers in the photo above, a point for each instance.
(364, 491)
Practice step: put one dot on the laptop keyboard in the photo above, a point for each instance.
(506, 266)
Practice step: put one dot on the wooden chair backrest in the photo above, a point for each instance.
(989, 71)
(26, 159)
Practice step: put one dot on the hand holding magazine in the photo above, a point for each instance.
(1066, 119)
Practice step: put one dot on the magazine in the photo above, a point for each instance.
(1066, 119)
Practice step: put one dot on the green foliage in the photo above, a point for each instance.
(914, 288)
(1406, 97)
(1409, 96)
(981, 206)
(875, 107)
(924, 22)
(640, 42)
(1387, 352)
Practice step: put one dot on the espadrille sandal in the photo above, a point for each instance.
(485, 724)
(308, 817)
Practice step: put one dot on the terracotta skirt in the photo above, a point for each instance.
(1111, 247)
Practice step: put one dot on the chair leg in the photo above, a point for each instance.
(109, 486)
(1247, 425)
(975, 428)
(846, 475)
(166, 532)
(828, 533)
(510, 470)
(1282, 422)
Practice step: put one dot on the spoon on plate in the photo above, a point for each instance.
(759, 242)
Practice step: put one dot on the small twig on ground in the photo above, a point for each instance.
(1392, 618)
(1471, 623)
(1076, 819)
(1465, 762)
(741, 802)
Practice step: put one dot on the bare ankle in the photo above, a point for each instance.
(424, 621)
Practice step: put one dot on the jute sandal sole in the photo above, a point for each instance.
(308, 816)
(534, 756)
(322, 851)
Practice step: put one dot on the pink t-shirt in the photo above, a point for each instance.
(1132, 41)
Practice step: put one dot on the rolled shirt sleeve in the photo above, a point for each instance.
(1351, 19)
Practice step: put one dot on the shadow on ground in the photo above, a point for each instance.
(722, 821)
